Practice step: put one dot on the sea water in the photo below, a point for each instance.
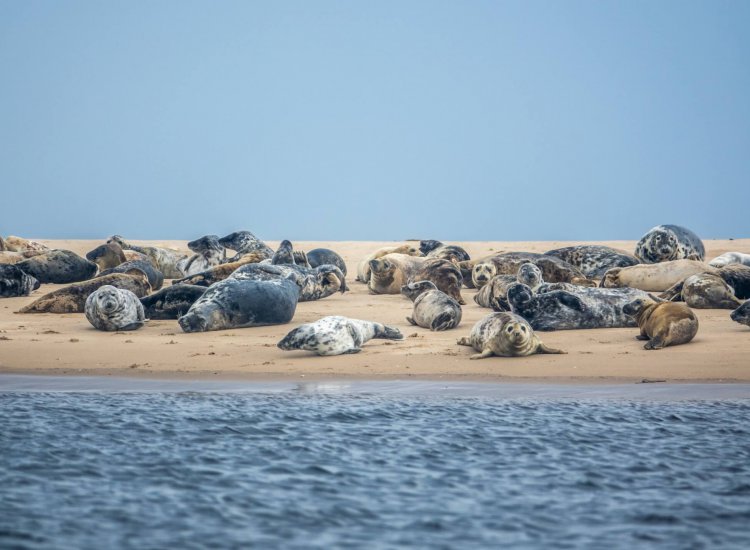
(372, 468)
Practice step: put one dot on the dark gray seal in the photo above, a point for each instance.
(665, 243)
(113, 309)
(436, 249)
(336, 335)
(504, 335)
(314, 284)
(59, 267)
(171, 302)
(238, 303)
(322, 256)
(155, 277)
(433, 309)
(244, 242)
(208, 253)
(742, 314)
(15, 282)
(594, 260)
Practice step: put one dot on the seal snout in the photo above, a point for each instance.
(192, 323)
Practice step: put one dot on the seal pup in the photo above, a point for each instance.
(244, 242)
(392, 271)
(322, 256)
(171, 302)
(19, 244)
(594, 260)
(336, 335)
(155, 277)
(208, 253)
(505, 335)
(742, 314)
(363, 268)
(703, 291)
(165, 260)
(665, 243)
(15, 282)
(433, 309)
(107, 256)
(663, 323)
(656, 277)
(58, 266)
(436, 249)
(729, 258)
(494, 294)
(238, 303)
(72, 299)
(219, 272)
(112, 309)
(314, 284)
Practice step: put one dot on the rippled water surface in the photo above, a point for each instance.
(195, 469)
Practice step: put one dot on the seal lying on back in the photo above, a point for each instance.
(219, 272)
(336, 335)
(663, 323)
(238, 303)
(363, 269)
(58, 266)
(436, 249)
(656, 277)
(72, 299)
(171, 302)
(729, 258)
(665, 243)
(109, 308)
(742, 314)
(703, 291)
(164, 259)
(594, 260)
(208, 253)
(15, 282)
(433, 309)
(504, 335)
(314, 284)
(155, 277)
(389, 273)
(244, 242)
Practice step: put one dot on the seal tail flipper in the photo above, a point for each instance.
(411, 321)
(546, 349)
(388, 333)
(351, 350)
(133, 326)
(444, 321)
(673, 293)
(485, 353)
(463, 341)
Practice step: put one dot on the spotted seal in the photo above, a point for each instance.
(336, 335)
(107, 256)
(663, 323)
(505, 335)
(238, 303)
(220, 272)
(738, 277)
(113, 309)
(155, 277)
(392, 271)
(19, 244)
(72, 299)
(554, 270)
(15, 282)
(729, 258)
(208, 253)
(703, 291)
(433, 309)
(171, 302)
(742, 314)
(363, 268)
(314, 284)
(594, 260)
(665, 243)
(436, 249)
(322, 256)
(166, 260)
(244, 242)
(530, 275)
(58, 266)
(656, 277)
(494, 294)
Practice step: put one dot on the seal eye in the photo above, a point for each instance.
(510, 329)
(523, 328)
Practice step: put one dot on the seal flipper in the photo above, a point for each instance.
(444, 321)
(463, 341)
(570, 300)
(484, 354)
(388, 333)
(411, 321)
(352, 350)
(545, 349)
(673, 293)
(134, 326)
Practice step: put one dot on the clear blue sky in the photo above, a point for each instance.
(374, 120)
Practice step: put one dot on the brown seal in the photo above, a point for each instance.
(389, 273)
(662, 323)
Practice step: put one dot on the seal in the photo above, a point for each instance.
(703, 291)
(742, 314)
(155, 277)
(505, 335)
(113, 309)
(336, 335)
(314, 284)
(244, 242)
(19, 244)
(392, 271)
(494, 294)
(530, 275)
(656, 277)
(738, 277)
(284, 255)
(219, 272)
(554, 270)
(238, 303)
(58, 266)
(208, 253)
(564, 306)
(363, 269)
(663, 323)
(729, 258)
(665, 243)
(107, 256)
(594, 260)
(72, 299)
(165, 260)
(3, 246)
(15, 282)
(433, 309)
(436, 249)
(171, 302)
(322, 256)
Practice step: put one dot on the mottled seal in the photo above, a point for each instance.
(284, 255)
(109, 308)
(15, 282)
(554, 270)
(107, 256)
(155, 277)
(166, 260)
(729, 258)
(494, 294)
(58, 266)
(314, 284)
(433, 309)
(322, 256)
(363, 269)
(505, 335)
(663, 323)
(392, 271)
(450, 252)
(208, 253)
(220, 272)
(238, 303)
(738, 277)
(171, 302)
(742, 314)
(244, 242)
(336, 335)
(72, 299)
(19, 244)
(665, 243)
(703, 291)
(594, 260)
(656, 277)
(530, 275)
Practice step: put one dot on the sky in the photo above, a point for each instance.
(328, 120)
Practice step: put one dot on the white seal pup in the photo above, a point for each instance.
(663, 323)
(166, 260)
(656, 277)
(505, 335)
(363, 269)
(729, 258)
(111, 309)
(244, 242)
(208, 253)
(15, 282)
(336, 335)
(742, 314)
(594, 260)
(665, 243)
(433, 309)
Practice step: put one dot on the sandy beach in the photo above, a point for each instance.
(68, 345)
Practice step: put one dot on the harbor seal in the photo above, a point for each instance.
(363, 268)
(554, 270)
(58, 266)
(505, 335)
(239, 303)
(107, 256)
(155, 277)
(322, 256)
(433, 309)
(436, 249)
(166, 260)
(72, 299)
(594, 260)
(113, 309)
(494, 294)
(656, 277)
(244, 242)
(15, 282)
(336, 335)
(703, 291)
(665, 243)
(742, 314)
(171, 302)
(392, 271)
(220, 272)
(663, 323)
(314, 284)
(208, 253)
(729, 258)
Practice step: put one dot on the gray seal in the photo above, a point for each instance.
(314, 284)
(663, 323)
(15, 282)
(58, 266)
(336, 335)
(322, 256)
(166, 260)
(530, 275)
(208, 253)
(107, 256)
(155, 277)
(504, 335)
(171, 302)
(703, 291)
(665, 243)
(436, 249)
(742, 314)
(433, 309)
(494, 294)
(111, 309)
(729, 258)
(238, 303)
(244, 242)
(594, 260)
(554, 270)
